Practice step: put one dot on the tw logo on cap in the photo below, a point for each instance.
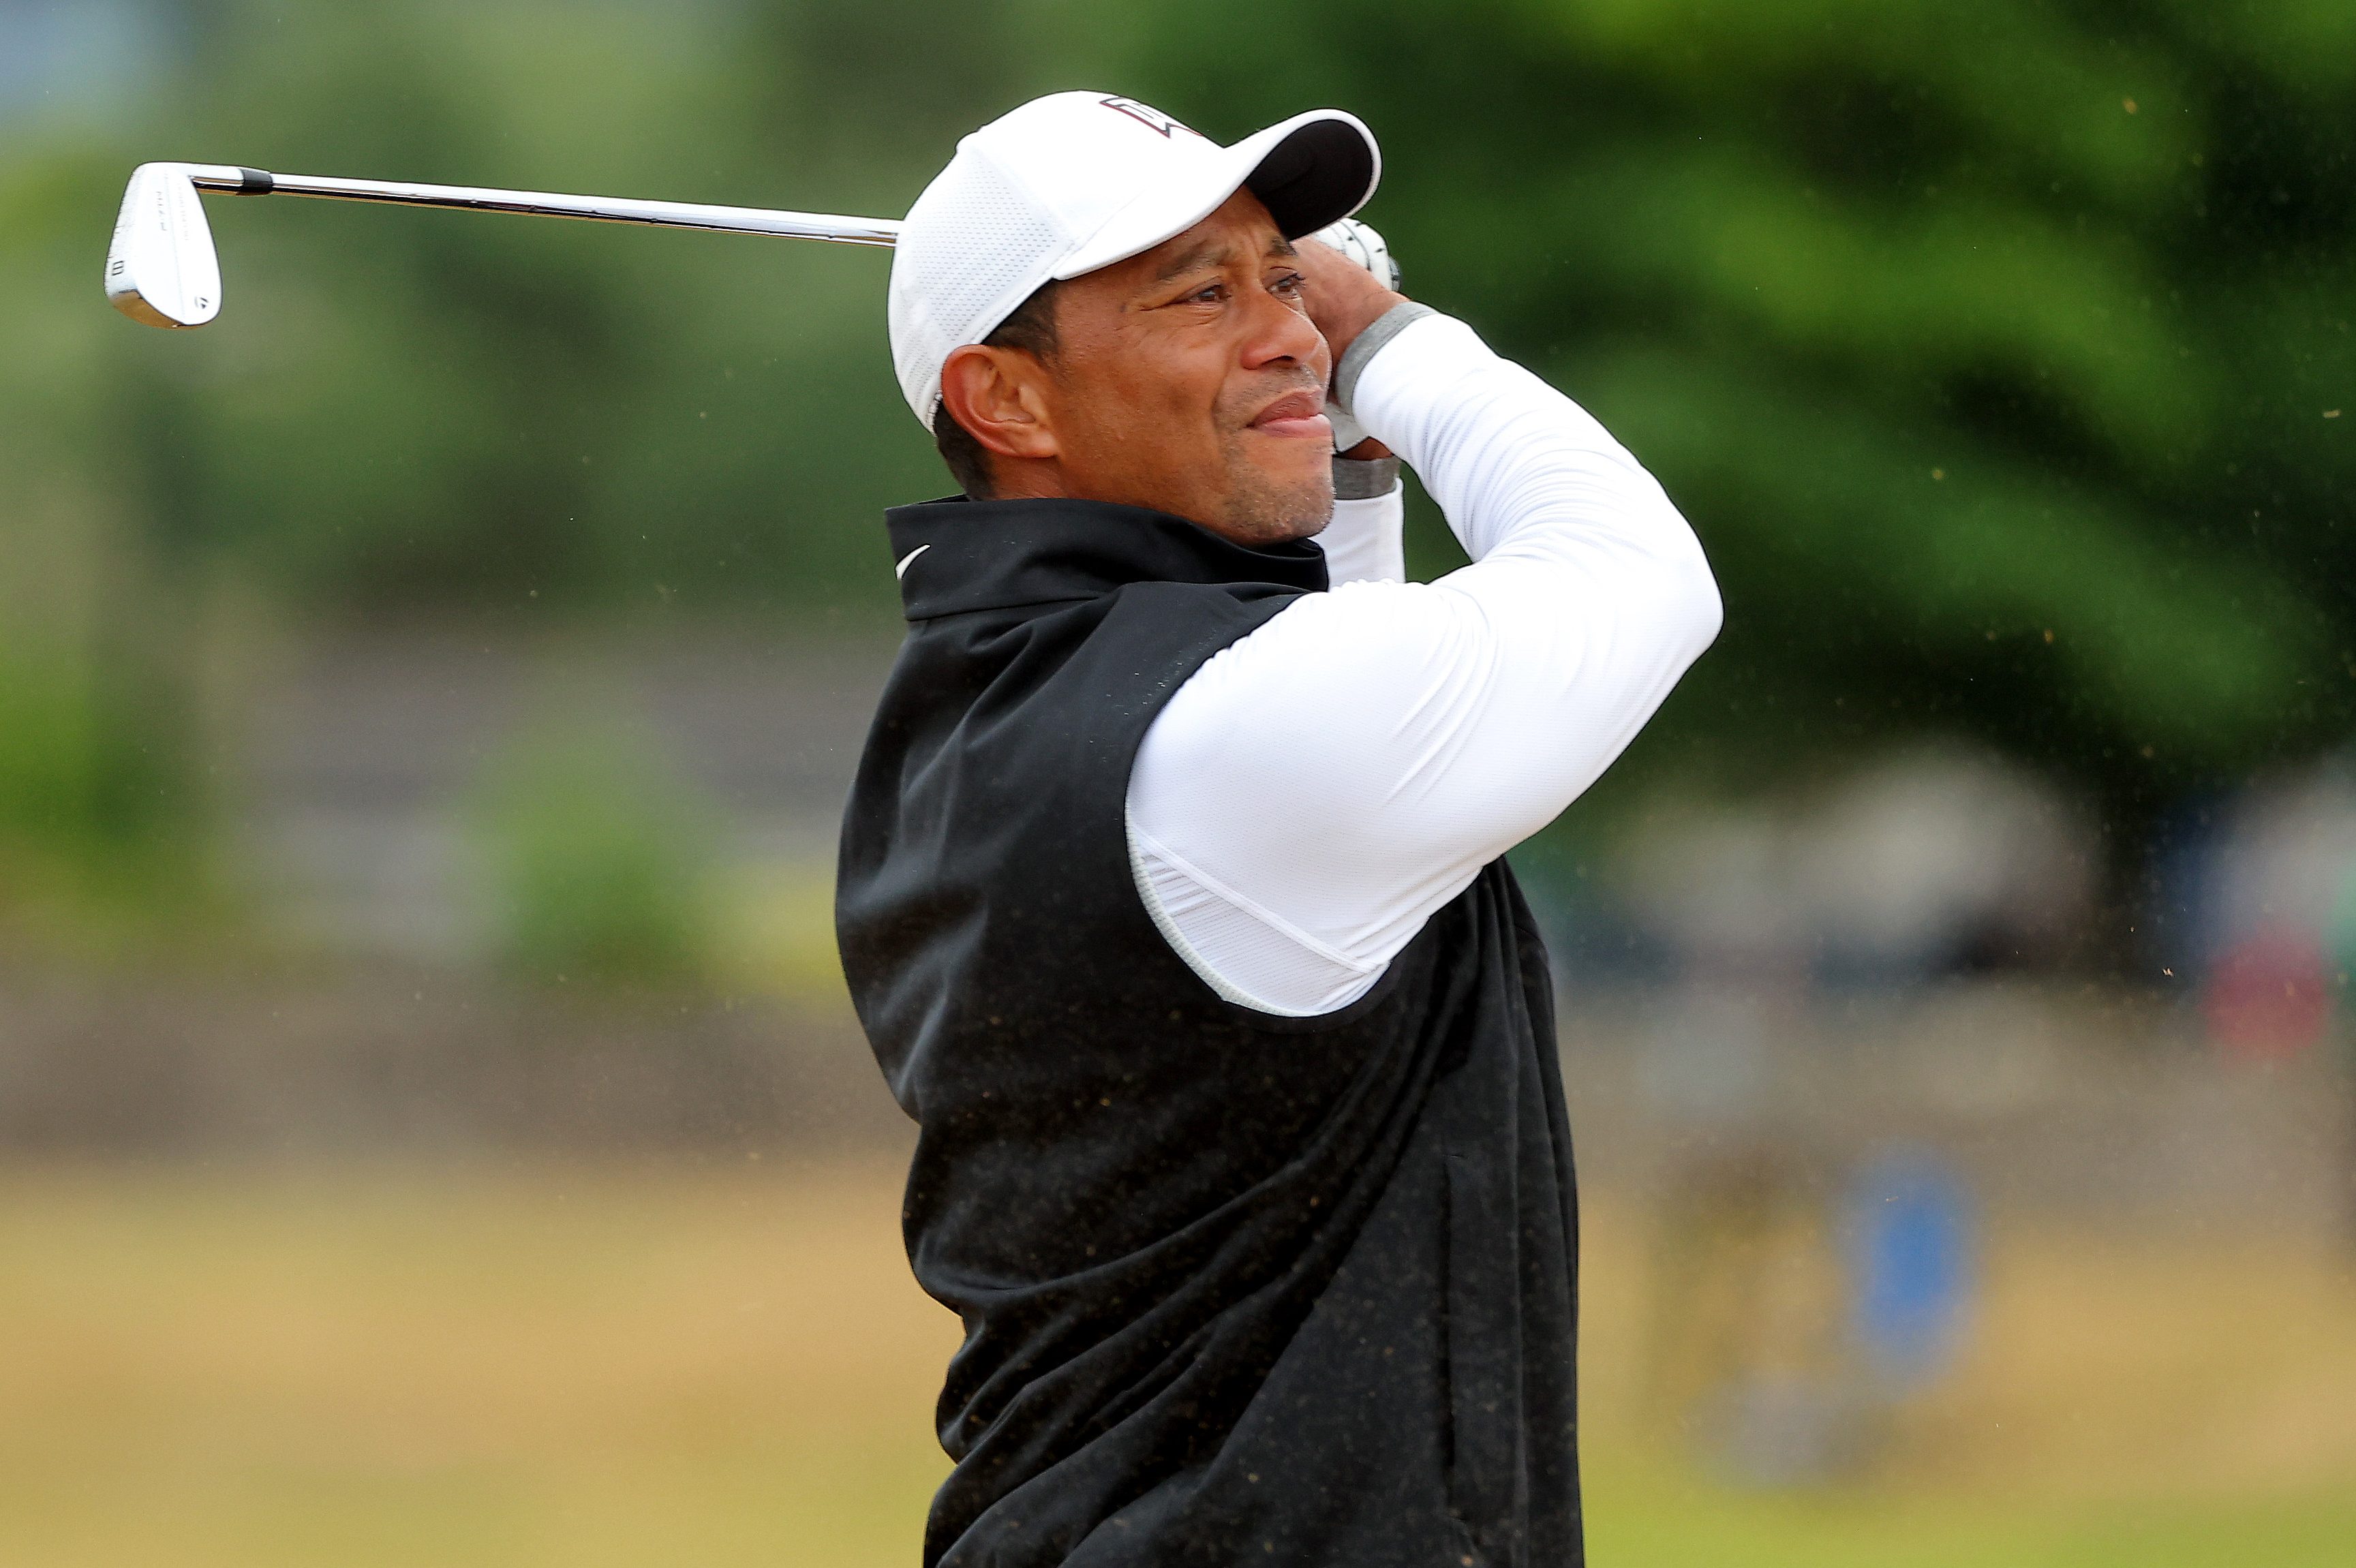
(1152, 119)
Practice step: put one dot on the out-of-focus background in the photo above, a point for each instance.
(432, 1129)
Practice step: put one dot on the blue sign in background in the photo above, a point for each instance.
(1910, 1265)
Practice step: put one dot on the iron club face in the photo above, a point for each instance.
(160, 268)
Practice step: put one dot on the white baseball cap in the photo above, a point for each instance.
(1076, 181)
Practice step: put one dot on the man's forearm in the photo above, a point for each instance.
(1511, 459)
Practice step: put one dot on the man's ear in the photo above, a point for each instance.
(997, 394)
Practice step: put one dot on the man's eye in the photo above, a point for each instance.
(1288, 284)
(1211, 295)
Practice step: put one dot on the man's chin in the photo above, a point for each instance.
(1266, 508)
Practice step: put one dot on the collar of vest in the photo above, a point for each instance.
(956, 555)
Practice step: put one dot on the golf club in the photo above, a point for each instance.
(162, 269)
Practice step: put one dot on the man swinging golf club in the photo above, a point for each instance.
(1171, 894)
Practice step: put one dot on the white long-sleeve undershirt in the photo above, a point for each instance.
(1317, 790)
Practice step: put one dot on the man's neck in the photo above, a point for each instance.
(1033, 479)
(1043, 479)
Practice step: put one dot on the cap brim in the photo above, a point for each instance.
(1311, 170)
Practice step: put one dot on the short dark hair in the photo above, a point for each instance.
(1030, 328)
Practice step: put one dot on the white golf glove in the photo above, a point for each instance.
(1361, 244)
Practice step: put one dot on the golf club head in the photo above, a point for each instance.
(160, 268)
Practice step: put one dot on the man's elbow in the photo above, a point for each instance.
(1684, 590)
(1690, 598)
(1705, 610)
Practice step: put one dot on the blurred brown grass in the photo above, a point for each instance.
(2100, 1363)
(541, 1364)
(570, 1366)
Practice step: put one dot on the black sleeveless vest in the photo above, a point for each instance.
(1235, 1288)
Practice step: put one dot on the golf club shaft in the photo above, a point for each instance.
(595, 209)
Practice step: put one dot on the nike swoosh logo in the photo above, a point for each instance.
(902, 570)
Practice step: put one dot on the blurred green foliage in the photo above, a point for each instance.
(96, 805)
(98, 763)
(599, 859)
(1994, 349)
(1997, 350)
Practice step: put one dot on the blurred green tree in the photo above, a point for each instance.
(98, 776)
(1997, 351)
(2000, 352)
(598, 859)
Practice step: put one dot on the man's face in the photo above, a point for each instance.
(1189, 379)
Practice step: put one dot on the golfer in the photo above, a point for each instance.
(1171, 892)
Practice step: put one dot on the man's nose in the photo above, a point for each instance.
(1281, 333)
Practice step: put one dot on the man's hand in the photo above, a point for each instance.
(1343, 297)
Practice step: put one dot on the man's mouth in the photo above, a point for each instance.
(1296, 414)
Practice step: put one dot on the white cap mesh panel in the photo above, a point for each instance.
(974, 246)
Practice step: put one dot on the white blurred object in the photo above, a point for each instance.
(2283, 859)
(1929, 854)
(1925, 859)
(1714, 880)
(1360, 243)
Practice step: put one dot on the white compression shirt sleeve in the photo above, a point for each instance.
(1366, 542)
(1318, 789)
